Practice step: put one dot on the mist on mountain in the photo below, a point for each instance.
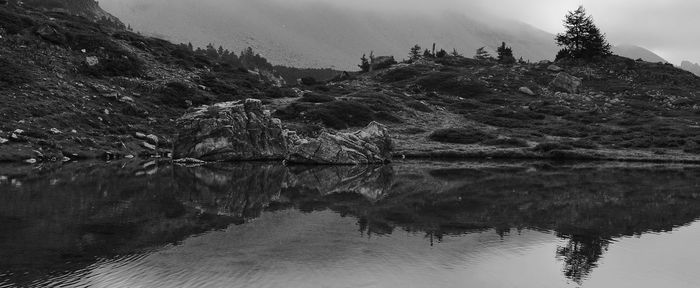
(313, 34)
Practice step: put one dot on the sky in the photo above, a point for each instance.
(666, 27)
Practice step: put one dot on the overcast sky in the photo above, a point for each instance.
(667, 27)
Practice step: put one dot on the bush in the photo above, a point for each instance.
(451, 83)
(460, 136)
(12, 74)
(176, 94)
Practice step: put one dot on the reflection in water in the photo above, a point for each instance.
(86, 222)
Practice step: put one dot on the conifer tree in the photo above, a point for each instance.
(415, 52)
(364, 65)
(582, 39)
(482, 54)
(505, 54)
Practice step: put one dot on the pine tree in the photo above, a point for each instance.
(364, 66)
(455, 53)
(505, 54)
(427, 54)
(582, 39)
(415, 52)
(482, 54)
(440, 54)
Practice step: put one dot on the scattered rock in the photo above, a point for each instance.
(30, 161)
(4, 140)
(50, 33)
(127, 99)
(566, 83)
(230, 131)
(140, 135)
(92, 61)
(372, 144)
(554, 68)
(148, 146)
(55, 131)
(527, 91)
(153, 139)
(18, 131)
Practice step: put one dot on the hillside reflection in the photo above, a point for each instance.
(65, 219)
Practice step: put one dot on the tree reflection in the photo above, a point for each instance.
(581, 255)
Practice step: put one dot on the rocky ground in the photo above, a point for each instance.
(454, 107)
(74, 89)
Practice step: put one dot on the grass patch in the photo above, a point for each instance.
(460, 136)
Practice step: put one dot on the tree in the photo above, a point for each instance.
(505, 54)
(364, 66)
(440, 54)
(427, 54)
(455, 53)
(481, 54)
(582, 39)
(415, 52)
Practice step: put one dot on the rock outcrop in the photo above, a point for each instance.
(371, 144)
(565, 83)
(230, 131)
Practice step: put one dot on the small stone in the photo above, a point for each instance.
(19, 131)
(4, 140)
(92, 60)
(73, 131)
(527, 91)
(153, 139)
(126, 99)
(140, 135)
(66, 159)
(148, 146)
(30, 161)
(3, 178)
(554, 68)
(129, 156)
(55, 131)
(106, 111)
(14, 136)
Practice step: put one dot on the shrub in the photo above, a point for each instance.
(12, 74)
(451, 83)
(460, 136)
(176, 94)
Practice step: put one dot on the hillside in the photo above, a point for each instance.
(75, 88)
(320, 35)
(459, 107)
(636, 52)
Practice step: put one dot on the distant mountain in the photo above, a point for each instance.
(636, 52)
(691, 67)
(322, 35)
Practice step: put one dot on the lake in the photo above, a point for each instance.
(408, 224)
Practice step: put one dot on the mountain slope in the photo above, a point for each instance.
(89, 9)
(317, 35)
(636, 52)
(691, 67)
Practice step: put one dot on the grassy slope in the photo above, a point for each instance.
(459, 107)
(140, 85)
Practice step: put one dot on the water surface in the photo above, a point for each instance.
(411, 224)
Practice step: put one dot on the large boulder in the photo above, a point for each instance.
(230, 131)
(564, 82)
(369, 145)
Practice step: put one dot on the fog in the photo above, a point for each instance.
(667, 27)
